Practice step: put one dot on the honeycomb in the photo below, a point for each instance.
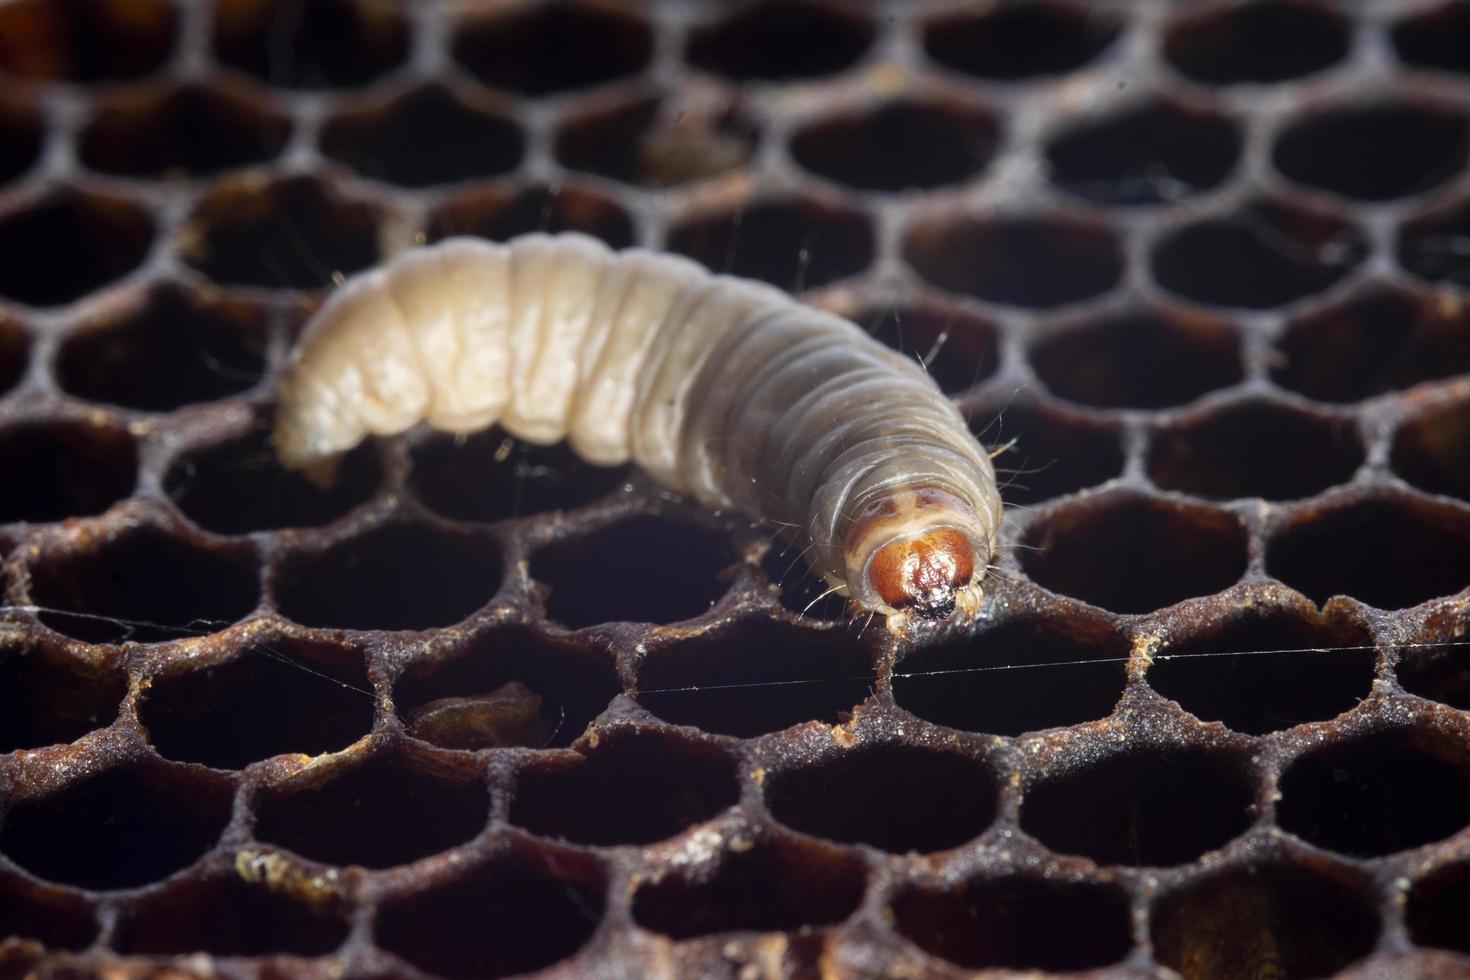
(479, 709)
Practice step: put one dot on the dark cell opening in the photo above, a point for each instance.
(59, 469)
(502, 212)
(1439, 907)
(50, 698)
(86, 40)
(899, 145)
(1440, 672)
(1054, 453)
(311, 44)
(1437, 38)
(21, 132)
(794, 243)
(539, 49)
(831, 670)
(1261, 41)
(1429, 450)
(226, 916)
(1019, 41)
(1341, 149)
(956, 347)
(58, 919)
(15, 352)
(777, 40)
(643, 139)
(798, 587)
(100, 238)
(1432, 247)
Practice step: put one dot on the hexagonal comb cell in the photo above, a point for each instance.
(66, 243)
(21, 132)
(1428, 450)
(291, 233)
(501, 212)
(1264, 254)
(430, 135)
(15, 352)
(193, 129)
(1017, 922)
(86, 41)
(1385, 550)
(65, 468)
(781, 40)
(1338, 149)
(755, 677)
(1036, 261)
(1379, 792)
(164, 348)
(1432, 246)
(311, 44)
(667, 570)
(226, 916)
(394, 576)
(121, 827)
(488, 476)
(630, 789)
(898, 145)
(1438, 908)
(792, 242)
(1023, 676)
(1261, 41)
(1437, 37)
(1131, 553)
(1380, 340)
(376, 812)
(808, 885)
(553, 46)
(1436, 667)
(1020, 41)
(1045, 452)
(1267, 668)
(894, 797)
(318, 695)
(461, 701)
(510, 915)
(50, 698)
(1155, 152)
(956, 347)
(58, 918)
(1273, 918)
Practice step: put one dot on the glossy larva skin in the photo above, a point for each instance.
(722, 389)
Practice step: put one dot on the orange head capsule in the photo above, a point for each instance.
(923, 573)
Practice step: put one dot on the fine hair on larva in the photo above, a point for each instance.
(721, 389)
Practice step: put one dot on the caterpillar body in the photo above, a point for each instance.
(722, 389)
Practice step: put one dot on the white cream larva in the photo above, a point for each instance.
(721, 389)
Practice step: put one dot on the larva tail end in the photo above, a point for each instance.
(294, 454)
(923, 575)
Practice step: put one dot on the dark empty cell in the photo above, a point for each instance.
(1429, 450)
(393, 577)
(892, 797)
(1341, 149)
(643, 139)
(1053, 454)
(1436, 246)
(295, 233)
(629, 790)
(507, 917)
(57, 919)
(1262, 255)
(1439, 907)
(541, 48)
(775, 40)
(311, 44)
(61, 469)
(957, 348)
(1135, 554)
(1035, 261)
(67, 243)
(110, 588)
(1388, 552)
(757, 677)
(1139, 360)
(86, 40)
(1438, 37)
(49, 698)
(1259, 41)
(1379, 793)
(1023, 676)
(645, 569)
(489, 477)
(1017, 923)
(226, 916)
(1017, 41)
(15, 352)
(20, 138)
(236, 487)
(164, 349)
(274, 696)
(1267, 920)
(1267, 669)
(1378, 341)
(1437, 671)
(1146, 806)
(1156, 152)
(501, 213)
(121, 827)
(792, 243)
(1255, 449)
(193, 129)
(572, 684)
(775, 886)
(899, 145)
(799, 588)
(379, 813)
(430, 136)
